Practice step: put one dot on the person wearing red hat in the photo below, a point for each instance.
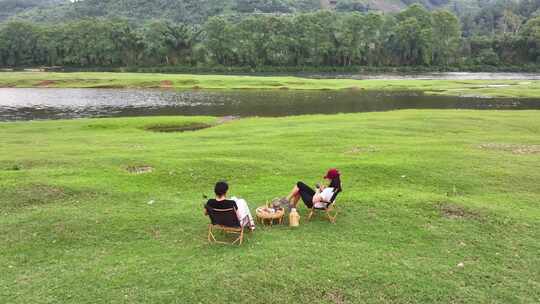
(319, 197)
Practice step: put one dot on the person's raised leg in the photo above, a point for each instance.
(294, 202)
(306, 193)
(293, 197)
(294, 193)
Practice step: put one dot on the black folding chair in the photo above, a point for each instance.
(329, 209)
(224, 220)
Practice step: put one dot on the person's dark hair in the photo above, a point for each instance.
(221, 188)
(336, 183)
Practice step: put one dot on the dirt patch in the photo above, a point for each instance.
(46, 83)
(355, 88)
(143, 169)
(169, 128)
(335, 296)
(284, 88)
(513, 148)
(360, 150)
(196, 87)
(454, 211)
(155, 233)
(166, 84)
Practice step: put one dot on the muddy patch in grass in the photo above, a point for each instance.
(169, 128)
(155, 233)
(357, 150)
(335, 296)
(46, 83)
(517, 149)
(141, 169)
(454, 211)
(166, 84)
(33, 195)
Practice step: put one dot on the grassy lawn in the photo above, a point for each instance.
(493, 88)
(438, 207)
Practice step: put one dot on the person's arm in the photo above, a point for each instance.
(205, 205)
(235, 206)
(317, 196)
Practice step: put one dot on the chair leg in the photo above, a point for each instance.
(211, 237)
(241, 237)
(311, 213)
(331, 218)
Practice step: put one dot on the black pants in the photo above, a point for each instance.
(306, 193)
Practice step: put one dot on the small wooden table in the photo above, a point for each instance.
(264, 215)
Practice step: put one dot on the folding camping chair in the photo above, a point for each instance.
(224, 220)
(328, 209)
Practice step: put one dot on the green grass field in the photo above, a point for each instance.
(438, 207)
(483, 88)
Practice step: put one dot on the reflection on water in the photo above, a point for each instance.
(28, 104)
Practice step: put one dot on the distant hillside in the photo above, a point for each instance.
(197, 11)
(10, 8)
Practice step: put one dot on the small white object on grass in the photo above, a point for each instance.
(460, 265)
(150, 202)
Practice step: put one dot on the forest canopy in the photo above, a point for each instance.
(243, 33)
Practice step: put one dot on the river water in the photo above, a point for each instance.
(49, 103)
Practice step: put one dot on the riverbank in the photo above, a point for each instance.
(292, 70)
(479, 88)
(438, 206)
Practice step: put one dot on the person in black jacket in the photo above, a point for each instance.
(222, 202)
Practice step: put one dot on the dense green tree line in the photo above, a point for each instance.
(413, 37)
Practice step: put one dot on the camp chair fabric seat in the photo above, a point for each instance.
(225, 220)
(322, 207)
